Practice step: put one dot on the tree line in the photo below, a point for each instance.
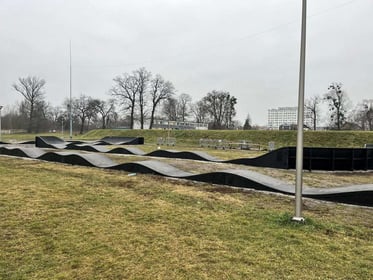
(138, 96)
(141, 97)
(341, 115)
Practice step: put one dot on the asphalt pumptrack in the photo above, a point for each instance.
(92, 154)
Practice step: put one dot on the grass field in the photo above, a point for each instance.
(190, 138)
(281, 138)
(68, 222)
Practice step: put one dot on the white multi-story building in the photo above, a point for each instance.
(286, 117)
(164, 124)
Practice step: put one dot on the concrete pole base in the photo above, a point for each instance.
(298, 219)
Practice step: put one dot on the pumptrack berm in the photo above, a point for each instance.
(356, 195)
(328, 159)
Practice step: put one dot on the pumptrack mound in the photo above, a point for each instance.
(112, 140)
(58, 143)
(50, 142)
(328, 159)
(356, 195)
(30, 142)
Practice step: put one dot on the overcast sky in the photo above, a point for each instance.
(247, 47)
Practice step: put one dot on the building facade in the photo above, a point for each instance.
(165, 124)
(286, 118)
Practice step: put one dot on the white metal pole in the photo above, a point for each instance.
(299, 154)
(70, 101)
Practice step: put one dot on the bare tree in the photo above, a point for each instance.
(58, 117)
(125, 91)
(42, 116)
(105, 109)
(338, 103)
(92, 110)
(84, 108)
(169, 108)
(129, 89)
(31, 88)
(363, 114)
(142, 77)
(230, 111)
(312, 105)
(368, 112)
(200, 112)
(221, 106)
(12, 117)
(183, 106)
(62, 121)
(160, 90)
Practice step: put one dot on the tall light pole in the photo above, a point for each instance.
(70, 102)
(1, 107)
(299, 154)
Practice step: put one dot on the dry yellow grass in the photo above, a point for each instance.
(68, 222)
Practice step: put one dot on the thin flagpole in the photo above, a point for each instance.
(70, 101)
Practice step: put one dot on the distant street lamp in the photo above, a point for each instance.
(1, 107)
(299, 154)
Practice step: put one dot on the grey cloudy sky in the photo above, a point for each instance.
(247, 47)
